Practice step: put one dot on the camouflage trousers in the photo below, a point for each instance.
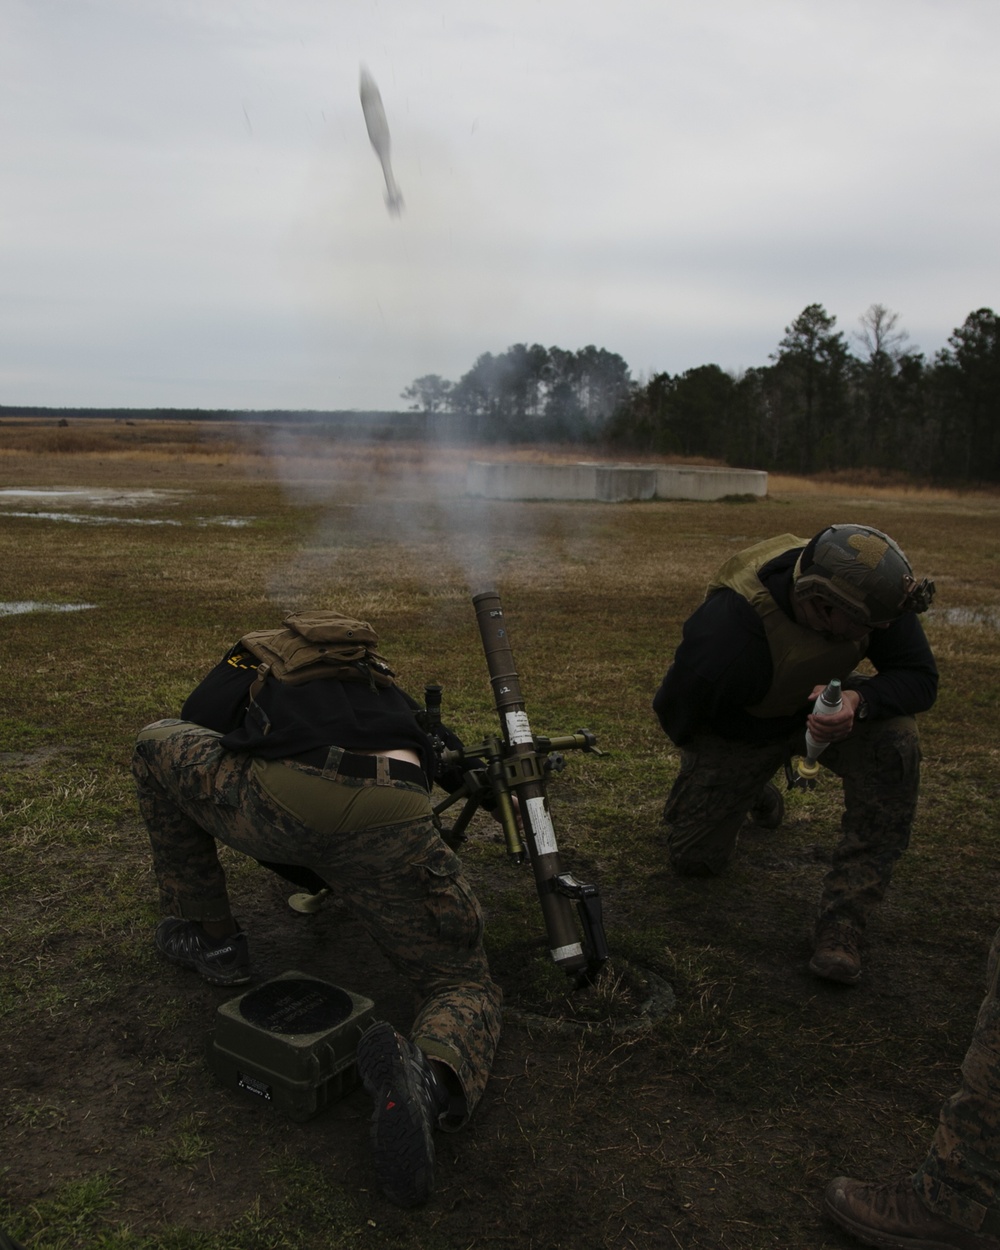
(372, 841)
(960, 1179)
(879, 765)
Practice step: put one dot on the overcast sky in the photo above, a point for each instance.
(191, 213)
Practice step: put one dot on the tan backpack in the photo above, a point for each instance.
(316, 645)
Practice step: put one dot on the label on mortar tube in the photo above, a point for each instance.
(541, 826)
(518, 729)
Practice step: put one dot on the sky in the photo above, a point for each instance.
(192, 215)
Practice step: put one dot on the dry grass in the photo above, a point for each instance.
(719, 1128)
(848, 487)
(299, 444)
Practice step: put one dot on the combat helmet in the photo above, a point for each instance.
(861, 571)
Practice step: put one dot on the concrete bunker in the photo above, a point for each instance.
(609, 483)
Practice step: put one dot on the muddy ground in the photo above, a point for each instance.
(716, 1126)
(713, 1127)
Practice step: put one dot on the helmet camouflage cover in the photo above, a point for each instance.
(861, 571)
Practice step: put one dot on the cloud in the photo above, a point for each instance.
(192, 207)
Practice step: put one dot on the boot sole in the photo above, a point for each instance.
(401, 1138)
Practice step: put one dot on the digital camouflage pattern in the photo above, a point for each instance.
(960, 1179)
(374, 843)
(879, 765)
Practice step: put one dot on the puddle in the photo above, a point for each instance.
(986, 618)
(103, 496)
(30, 605)
(79, 518)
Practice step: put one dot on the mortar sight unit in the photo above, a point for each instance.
(508, 773)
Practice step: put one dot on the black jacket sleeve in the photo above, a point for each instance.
(906, 675)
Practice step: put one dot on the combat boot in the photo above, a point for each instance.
(837, 953)
(893, 1216)
(220, 961)
(409, 1099)
(768, 809)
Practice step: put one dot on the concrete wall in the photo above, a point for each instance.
(531, 481)
(679, 482)
(610, 483)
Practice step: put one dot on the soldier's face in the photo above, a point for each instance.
(835, 624)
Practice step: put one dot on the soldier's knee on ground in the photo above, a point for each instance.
(696, 863)
(694, 868)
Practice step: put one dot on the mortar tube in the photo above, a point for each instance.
(565, 946)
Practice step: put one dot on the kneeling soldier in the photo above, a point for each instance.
(323, 772)
(779, 621)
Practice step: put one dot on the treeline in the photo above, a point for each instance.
(531, 394)
(823, 403)
(821, 406)
(264, 415)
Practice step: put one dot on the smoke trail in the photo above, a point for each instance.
(371, 494)
(365, 489)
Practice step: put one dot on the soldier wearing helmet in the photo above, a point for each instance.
(779, 621)
(860, 572)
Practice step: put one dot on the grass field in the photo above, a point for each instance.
(716, 1126)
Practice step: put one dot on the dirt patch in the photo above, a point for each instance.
(588, 1134)
(29, 759)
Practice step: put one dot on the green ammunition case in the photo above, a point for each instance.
(290, 1042)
